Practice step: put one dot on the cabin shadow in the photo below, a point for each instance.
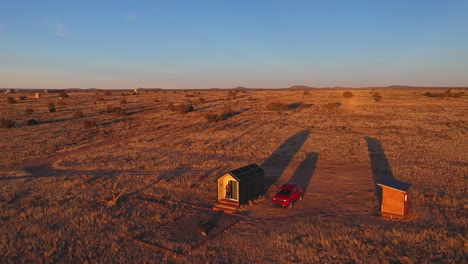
(381, 170)
(305, 171)
(277, 163)
(206, 227)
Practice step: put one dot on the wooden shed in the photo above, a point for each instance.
(395, 200)
(238, 186)
(37, 95)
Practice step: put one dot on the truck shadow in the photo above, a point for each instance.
(277, 163)
(305, 171)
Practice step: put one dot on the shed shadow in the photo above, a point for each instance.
(305, 171)
(277, 163)
(381, 170)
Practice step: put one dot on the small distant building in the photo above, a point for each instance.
(238, 186)
(37, 95)
(45, 91)
(395, 198)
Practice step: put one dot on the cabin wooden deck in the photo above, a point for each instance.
(227, 206)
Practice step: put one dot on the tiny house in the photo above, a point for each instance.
(241, 185)
(395, 201)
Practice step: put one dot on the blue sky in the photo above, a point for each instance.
(204, 44)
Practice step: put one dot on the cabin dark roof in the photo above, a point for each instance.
(395, 184)
(246, 172)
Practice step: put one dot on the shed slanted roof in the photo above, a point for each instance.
(395, 184)
(246, 172)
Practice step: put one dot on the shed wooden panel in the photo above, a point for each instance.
(395, 197)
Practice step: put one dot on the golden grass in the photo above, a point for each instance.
(53, 175)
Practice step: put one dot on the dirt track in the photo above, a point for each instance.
(332, 189)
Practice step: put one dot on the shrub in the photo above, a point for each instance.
(63, 95)
(22, 97)
(232, 95)
(100, 99)
(11, 100)
(171, 107)
(184, 108)
(6, 123)
(189, 95)
(118, 111)
(348, 94)
(446, 94)
(78, 113)
(107, 93)
(89, 123)
(377, 97)
(51, 107)
(211, 118)
(331, 106)
(227, 113)
(201, 100)
(123, 101)
(277, 106)
(306, 93)
(305, 106)
(33, 122)
(28, 112)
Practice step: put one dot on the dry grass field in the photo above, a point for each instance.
(57, 177)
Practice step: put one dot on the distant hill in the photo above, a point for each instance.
(301, 87)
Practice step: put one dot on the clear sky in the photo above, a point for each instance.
(221, 43)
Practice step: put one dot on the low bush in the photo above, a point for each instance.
(32, 122)
(210, 118)
(305, 106)
(51, 107)
(11, 100)
(348, 94)
(89, 123)
(227, 113)
(184, 108)
(107, 93)
(28, 112)
(277, 106)
(22, 97)
(201, 100)
(63, 95)
(100, 99)
(377, 97)
(123, 101)
(232, 95)
(171, 107)
(446, 94)
(6, 123)
(78, 113)
(118, 111)
(331, 106)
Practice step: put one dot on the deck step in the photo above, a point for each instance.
(226, 206)
(223, 206)
(226, 201)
